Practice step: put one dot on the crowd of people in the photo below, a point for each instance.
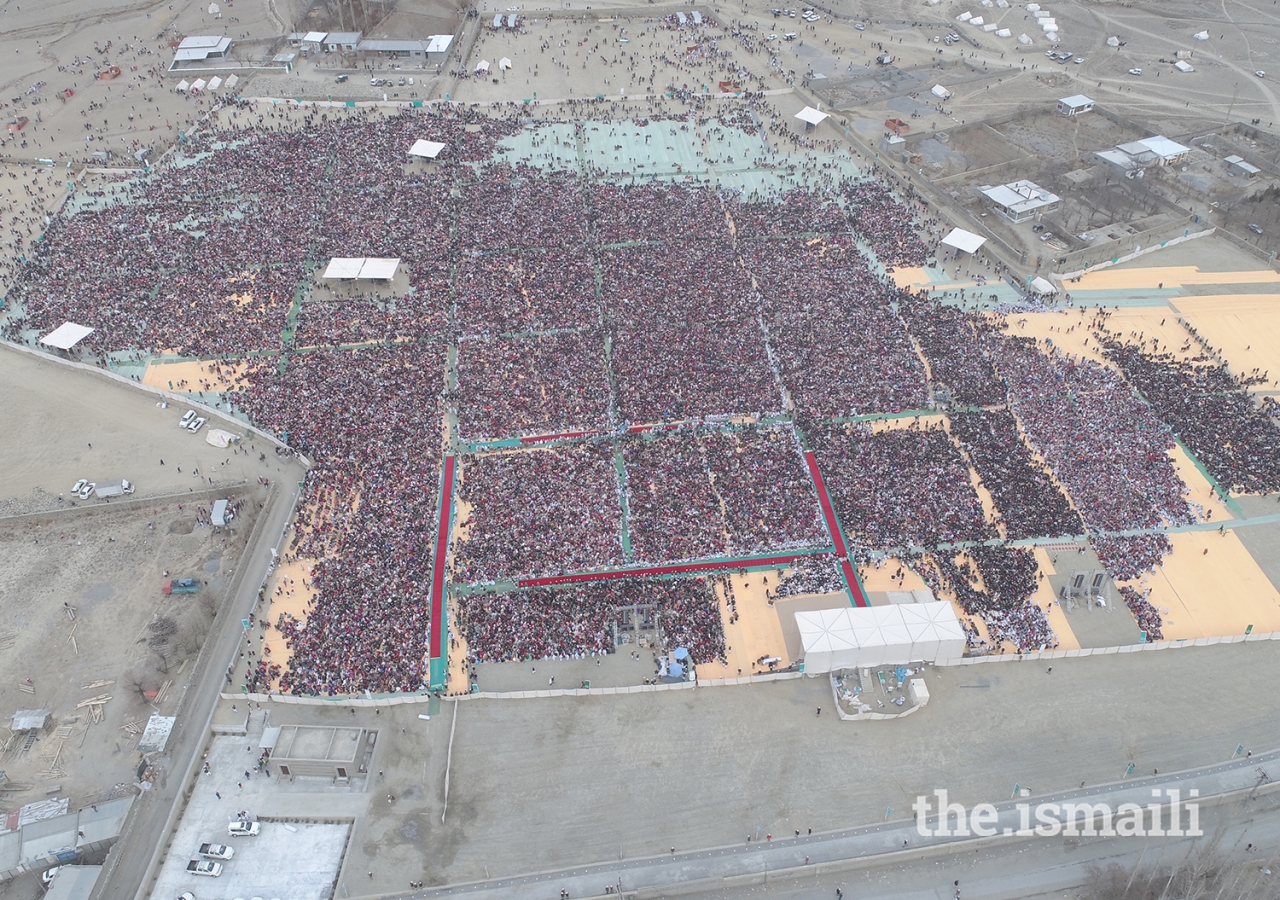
(1027, 501)
(1146, 615)
(900, 488)
(577, 305)
(1129, 557)
(767, 494)
(542, 385)
(541, 512)
(367, 516)
(996, 585)
(949, 339)
(841, 349)
(1211, 412)
(1102, 442)
(581, 621)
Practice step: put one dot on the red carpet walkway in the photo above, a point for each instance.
(856, 593)
(717, 565)
(438, 564)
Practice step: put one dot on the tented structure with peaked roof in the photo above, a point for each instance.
(66, 335)
(811, 116)
(849, 637)
(426, 149)
(964, 240)
(374, 267)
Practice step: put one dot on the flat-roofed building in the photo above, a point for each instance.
(1021, 200)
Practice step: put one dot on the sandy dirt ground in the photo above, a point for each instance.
(80, 580)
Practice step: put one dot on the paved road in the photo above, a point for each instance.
(838, 847)
(131, 859)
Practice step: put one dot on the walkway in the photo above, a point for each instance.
(854, 587)
(438, 664)
(729, 564)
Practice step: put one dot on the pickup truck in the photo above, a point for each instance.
(180, 586)
(216, 851)
(205, 867)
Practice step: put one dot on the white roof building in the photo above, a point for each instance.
(1074, 105)
(1020, 200)
(201, 47)
(1237, 166)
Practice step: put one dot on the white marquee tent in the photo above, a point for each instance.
(347, 268)
(811, 116)
(427, 149)
(849, 637)
(964, 240)
(66, 335)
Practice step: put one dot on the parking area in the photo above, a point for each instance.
(305, 824)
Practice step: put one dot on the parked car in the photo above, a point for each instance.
(241, 828)
(1260, 74)
(341, 79)
(196, 425)
(216, 851)
(47, 876)
(1256, 229)
(205, 867)
(87, 491)
(186, 418)
(1135, 71)
(79, 486)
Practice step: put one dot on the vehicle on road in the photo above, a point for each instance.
(241, 828)
(205, 867)
(216, 851)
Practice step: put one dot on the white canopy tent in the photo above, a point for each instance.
(182, 86)
(214, 83)
(849, 637)
(66, 336)
(964, 240)
(828, 640)
(373, 267)
(380, 268)
(811, 116)
(504, 64)
(1042, 286)
(232, 81)
(343, 267)
(197, 86)
(426, 149)
(482, 66)
(940, 91)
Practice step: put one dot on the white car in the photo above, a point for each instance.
(79, 486)
(47, 876)
(196, 424)
(216, 851)
(241, 828)
(1135, 71)
(87, 491)
(186, 418)
(1260, 74)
